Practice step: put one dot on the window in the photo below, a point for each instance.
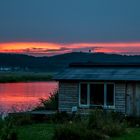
(83, 94)
(110, 94)
(97, 94)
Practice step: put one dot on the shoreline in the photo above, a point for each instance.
(13, 77)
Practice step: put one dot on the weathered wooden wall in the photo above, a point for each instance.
(68, 96)
(133, 99)
(120, 97)
(138, 99)
(127, 97)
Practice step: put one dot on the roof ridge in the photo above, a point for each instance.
(105, 64)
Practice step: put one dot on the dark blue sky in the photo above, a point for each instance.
(70, 20)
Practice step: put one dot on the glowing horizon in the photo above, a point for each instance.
(50, 48)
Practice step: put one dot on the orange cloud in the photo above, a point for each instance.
(26, 45)
(47, 48)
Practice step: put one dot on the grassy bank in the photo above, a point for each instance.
(133, 134)
(36, 132)
(24, 76)
(45, 131)
(62, 126)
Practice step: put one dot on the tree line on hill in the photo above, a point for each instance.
(59, 62)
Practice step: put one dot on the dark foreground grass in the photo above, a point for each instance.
(132, 134)
(46, 131)
(24, 76)
(36, 132)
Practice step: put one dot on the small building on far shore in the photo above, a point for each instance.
(112, 86)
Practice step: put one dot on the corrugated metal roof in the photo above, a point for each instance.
(100, 73)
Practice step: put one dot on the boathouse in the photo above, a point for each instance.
(84, 86)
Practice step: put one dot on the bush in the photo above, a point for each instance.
(61, 117)
(49, 104)
(20, 119)
(133, 121)
(113, 129)
(75, 131)
(7, 131)
(67, 132)
(96, 119)
(99, 126)
(108, 123)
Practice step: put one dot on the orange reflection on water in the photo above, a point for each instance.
(24, 94)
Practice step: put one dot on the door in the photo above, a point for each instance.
(129, 99)
(133, 99)
(138, 99)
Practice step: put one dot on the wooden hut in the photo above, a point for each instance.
(84, 86)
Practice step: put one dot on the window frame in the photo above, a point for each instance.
(84, 105)
(88, 95)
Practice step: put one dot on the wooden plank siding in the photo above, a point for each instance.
(126, 77)
(129, 99)
(138, 99)
(68, 96)
(120, 90)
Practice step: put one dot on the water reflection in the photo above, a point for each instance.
(22, 96)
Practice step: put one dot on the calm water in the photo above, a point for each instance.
(23, 96)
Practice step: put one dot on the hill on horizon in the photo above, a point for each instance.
(58, 62)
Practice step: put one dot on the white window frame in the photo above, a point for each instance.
(88, 95)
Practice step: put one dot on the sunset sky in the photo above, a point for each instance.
(50, 27)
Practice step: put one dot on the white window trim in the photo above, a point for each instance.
(88, 95)
(84, 105)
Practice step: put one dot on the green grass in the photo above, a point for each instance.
(24, 76)
(45, 132)
(132, 134)
(36, 132)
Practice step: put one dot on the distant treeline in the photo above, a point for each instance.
(58, 62)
